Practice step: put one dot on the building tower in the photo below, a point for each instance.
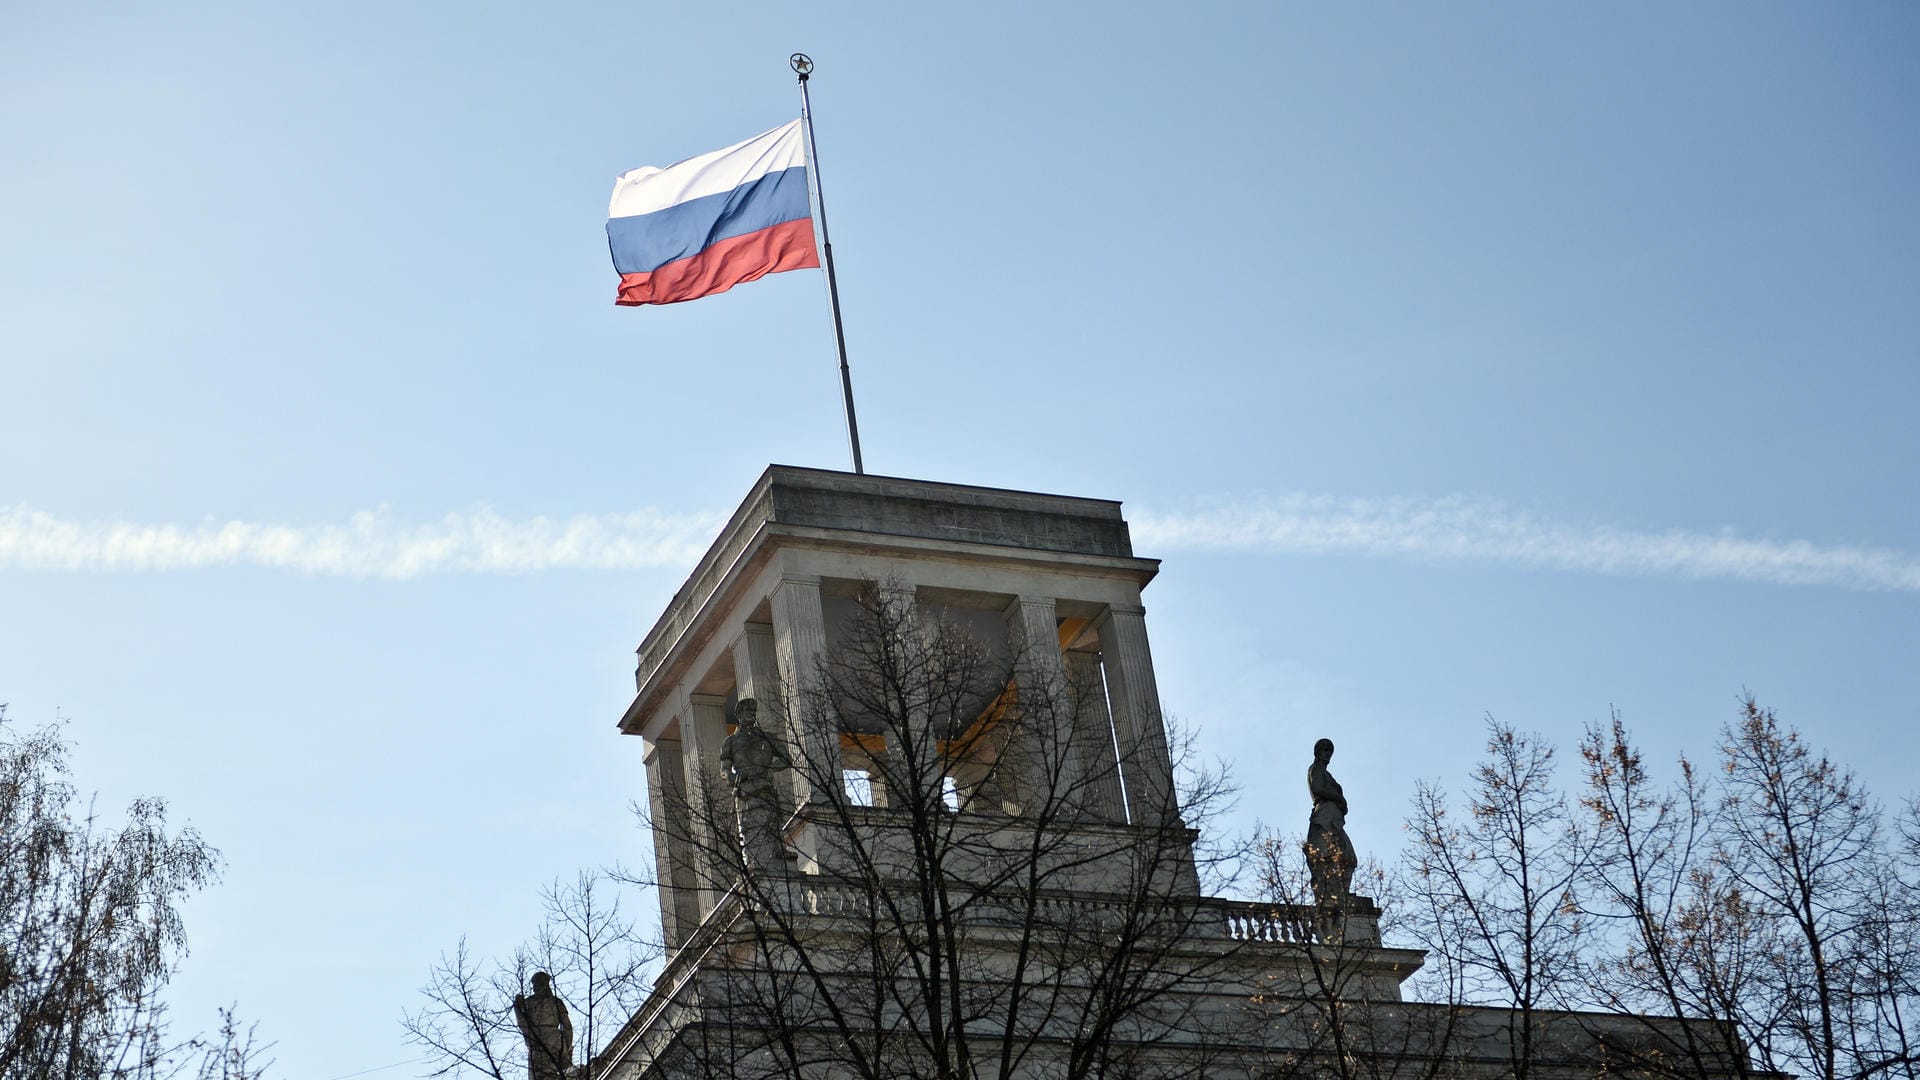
(961, 684)
(915, 813)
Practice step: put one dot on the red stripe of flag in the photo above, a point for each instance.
(787, 246)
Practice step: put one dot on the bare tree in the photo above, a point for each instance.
(1801, 846)
(1662, 926)
(1497, 902)
(1751, 920)
(977, 899)
(232, 1052)
(1760, 903)
(593, 951)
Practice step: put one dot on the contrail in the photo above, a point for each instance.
(370, 545)
(1480, 530)
(373, 544)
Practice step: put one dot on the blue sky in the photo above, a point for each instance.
(1511, 359)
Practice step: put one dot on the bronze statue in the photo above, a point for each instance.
(1330, 857)
(751, 757)
(548, 1029)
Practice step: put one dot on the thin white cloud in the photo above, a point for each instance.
(373, 544)
(1481, 530)
(370, 545)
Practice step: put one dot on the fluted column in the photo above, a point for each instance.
(906, 765)
(666, 802)
(756, 664)
(800, 640)
(1093, 739)
(1050, 769)
(1137, 722)
(703, 726)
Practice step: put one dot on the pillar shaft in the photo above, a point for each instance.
(1050, 772)
(1093, 739)
(756, 663)
(666, 803)
(907, 763)
(1137, 722)
(703, 726)
(800, 641)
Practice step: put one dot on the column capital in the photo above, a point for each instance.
(1028, 600)
(651, 749)
(709, 700)
(897, 598)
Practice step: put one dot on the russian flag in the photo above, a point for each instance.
(710, 222)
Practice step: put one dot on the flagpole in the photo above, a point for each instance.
(802, 65)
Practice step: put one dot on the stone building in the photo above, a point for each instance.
(946, 839)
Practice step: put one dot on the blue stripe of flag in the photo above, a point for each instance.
(646, 242)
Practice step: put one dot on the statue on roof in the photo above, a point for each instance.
(548, 1029)
(1330, 856)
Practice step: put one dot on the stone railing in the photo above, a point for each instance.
(816, 896)
(1236, 920)
(1247, 920)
